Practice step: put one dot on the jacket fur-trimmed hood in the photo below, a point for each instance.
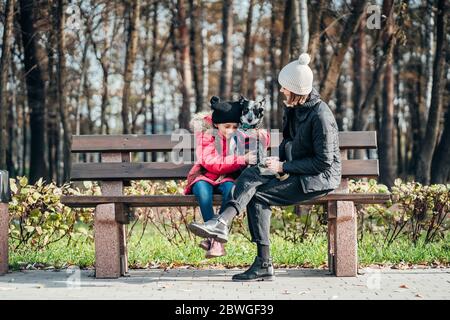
(201, 122)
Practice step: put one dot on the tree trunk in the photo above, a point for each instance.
(35, 91)
(196, 61)
(153, 71)
(350, 27)
(184, 116)
(416, 117)
(273, 68)
(61, 79)
(440, 167)
(103, 58)
(52, 101)
(205, 57)
(340, 104)
(285, 48)
(10, 163)
(4, 66)
(247, 49)
(145, 70)
(153, 64)
(432, 129)
(304, 26)
(386, 147)
(359, 75)
(315, 31)
(134, 12)
(429, 41)
(360, 118)
(104, 103)
(227, 50)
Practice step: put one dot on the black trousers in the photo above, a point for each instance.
(256, 193)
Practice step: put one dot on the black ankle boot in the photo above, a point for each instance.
(260, 270)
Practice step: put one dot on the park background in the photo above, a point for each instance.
(146, 66)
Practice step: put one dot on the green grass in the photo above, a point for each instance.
(154, 249)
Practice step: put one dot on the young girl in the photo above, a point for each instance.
(218, 161)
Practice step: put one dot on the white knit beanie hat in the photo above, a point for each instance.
(297, 76)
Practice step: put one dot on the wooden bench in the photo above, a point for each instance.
(116, 169)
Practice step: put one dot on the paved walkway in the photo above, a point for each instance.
(216, 284)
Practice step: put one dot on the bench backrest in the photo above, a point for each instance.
(116, 162)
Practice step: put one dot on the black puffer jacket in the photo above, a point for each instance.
(313, 131)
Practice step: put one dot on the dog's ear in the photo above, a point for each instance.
(242, 99)
(214, 101)
(262, 104)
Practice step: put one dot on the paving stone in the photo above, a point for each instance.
(191, 284)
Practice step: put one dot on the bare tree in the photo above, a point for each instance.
(134, 14)
(4, 66)
(103, 56)
(386, 148)
(285, 49)
(227, 52)
(273, 67)
(144, 48)
(247, 49)
(195, 51)
(440, 168)
(184, 115)
(205, 58)
(304, 26)
(153, 69)
(35, 91)
(360, 66)
(429, 45)
(350, 27)
(386, 49)
(429, 142)
(315, 31)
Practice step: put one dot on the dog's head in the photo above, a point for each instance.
(252, 112)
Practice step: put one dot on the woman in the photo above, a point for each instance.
(311, 146)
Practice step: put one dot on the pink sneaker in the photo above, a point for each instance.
(205, 244)
(217, 249)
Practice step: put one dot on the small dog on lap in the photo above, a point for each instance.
(251, 122)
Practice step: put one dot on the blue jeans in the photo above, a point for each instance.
(204, 193)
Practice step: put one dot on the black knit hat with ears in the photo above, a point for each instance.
(225, 112)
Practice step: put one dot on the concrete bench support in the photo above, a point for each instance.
(4, 220)
(110, 231)
(342, 239)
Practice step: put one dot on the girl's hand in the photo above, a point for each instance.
(274, 165)
(250, 157)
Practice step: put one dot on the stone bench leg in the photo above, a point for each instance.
(110, 242)
(342, 238)
(4, 222)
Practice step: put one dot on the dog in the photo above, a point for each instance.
(252, 120)
(252, 113)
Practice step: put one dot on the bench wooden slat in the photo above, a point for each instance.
(165, 170)
(163, 142)
(190, 200)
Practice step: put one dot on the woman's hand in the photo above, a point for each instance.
(250, 157)
(274, 165)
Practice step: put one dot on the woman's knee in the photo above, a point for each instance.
(250, 171)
